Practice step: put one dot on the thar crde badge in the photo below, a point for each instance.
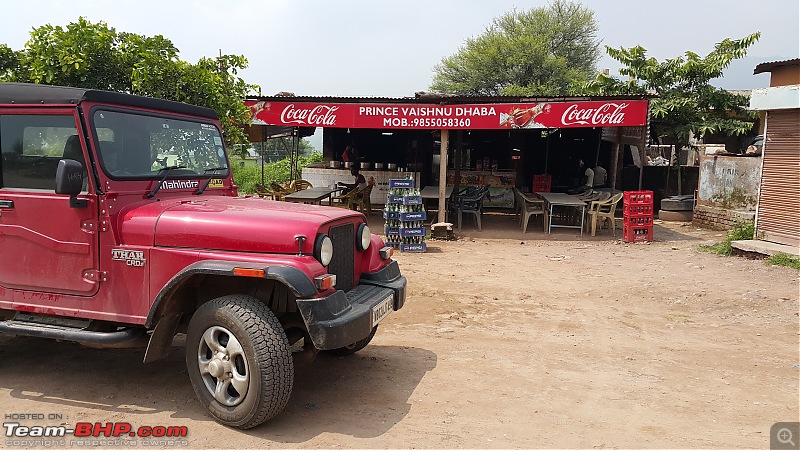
(133, 258)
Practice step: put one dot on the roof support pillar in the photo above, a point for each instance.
(443, 176)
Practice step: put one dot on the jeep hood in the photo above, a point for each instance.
(228, 223)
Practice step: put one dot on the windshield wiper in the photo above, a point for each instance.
(213, 171)
(166, 170)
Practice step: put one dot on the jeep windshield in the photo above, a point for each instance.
(140, 146)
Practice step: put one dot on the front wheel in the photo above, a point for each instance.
(354, 347)
(239, 361)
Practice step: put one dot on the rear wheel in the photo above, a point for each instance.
(354, 347)
(239, 361)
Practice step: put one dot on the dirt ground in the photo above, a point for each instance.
(506, 341)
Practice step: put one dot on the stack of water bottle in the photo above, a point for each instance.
(405, 216)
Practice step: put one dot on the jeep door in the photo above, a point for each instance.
(45, 245)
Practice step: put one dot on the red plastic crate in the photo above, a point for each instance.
(541, 183)
(637, 198)
(637, 233)
(541, 188)
(637, 210)
(637, 221)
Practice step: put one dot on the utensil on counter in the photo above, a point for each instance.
(366, 165)
(391, 166)
(348, 164)
(379, 166)
(334, 164)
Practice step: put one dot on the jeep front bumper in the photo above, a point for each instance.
(343, 318)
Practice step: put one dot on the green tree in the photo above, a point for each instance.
(543, 51)
(686, 102)
(9, 61)
(96, 56)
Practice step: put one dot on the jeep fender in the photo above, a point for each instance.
(165, 322)
(297, 281)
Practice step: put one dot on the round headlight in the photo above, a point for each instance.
(363, 237)
(323, 249)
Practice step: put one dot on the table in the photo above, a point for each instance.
(314, 195)
(325, 177)
(433, 192)
(558, 199)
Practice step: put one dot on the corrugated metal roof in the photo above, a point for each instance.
(768, 66)
(446, 99)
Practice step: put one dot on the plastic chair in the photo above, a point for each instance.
(527, 207)
(299, 185)
(275, 191)
(604, 209)
(347, 200)
(361, 200)
(470, 201)
(357, 200)
(261, 191)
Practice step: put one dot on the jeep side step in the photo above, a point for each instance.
(125, 338)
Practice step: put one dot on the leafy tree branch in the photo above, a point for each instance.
(96, 56)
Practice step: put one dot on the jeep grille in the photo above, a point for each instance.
(342, 264)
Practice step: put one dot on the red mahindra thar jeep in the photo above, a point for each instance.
(120, 225)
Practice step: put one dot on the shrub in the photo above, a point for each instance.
(741, 231)
(246, 177)
(279, 171)
(782, 259)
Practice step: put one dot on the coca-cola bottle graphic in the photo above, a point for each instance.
(256, 108)
(523, 118)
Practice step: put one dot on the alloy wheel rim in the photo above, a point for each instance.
(223, 366)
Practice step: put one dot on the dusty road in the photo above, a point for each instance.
(553, 343)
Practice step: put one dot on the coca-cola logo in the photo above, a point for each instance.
(318, 115)
(606, 114)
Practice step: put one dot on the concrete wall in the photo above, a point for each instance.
(729, 182)
(717, 218)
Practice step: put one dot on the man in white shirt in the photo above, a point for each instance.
(589, 176)
(359, 183)
(600, 175)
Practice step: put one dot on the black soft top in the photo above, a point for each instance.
(26, 93)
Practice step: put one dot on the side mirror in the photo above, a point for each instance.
(69, 181)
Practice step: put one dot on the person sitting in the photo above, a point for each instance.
(600, 175)
(587, 180)
(360, 181)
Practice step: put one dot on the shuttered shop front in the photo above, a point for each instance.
(778, 218)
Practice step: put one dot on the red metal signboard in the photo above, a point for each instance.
(489, 116)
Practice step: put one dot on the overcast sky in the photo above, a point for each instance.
(370, 48)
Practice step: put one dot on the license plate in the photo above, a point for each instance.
(382, 309)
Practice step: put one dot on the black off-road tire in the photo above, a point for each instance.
(267, 359)
(677, 203)
(354, 347)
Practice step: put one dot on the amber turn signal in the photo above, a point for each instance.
(245, 272)
(324, 282)
(386, 252)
